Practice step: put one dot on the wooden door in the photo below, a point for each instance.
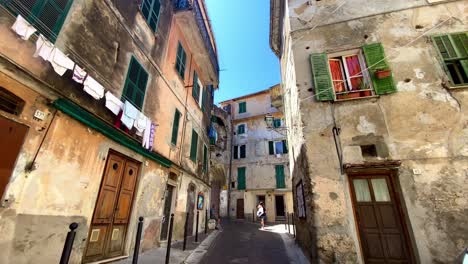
(12, 136)
(382, 229)
(279, 206)
(240, 209)
(113, 207)
(167, 212)
(191, 208)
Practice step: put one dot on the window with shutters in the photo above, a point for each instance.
(47, 16)
(135, 84)
(453, 50)
(241, 129)
(352, 74)
(277, 147)
(196, 87)
(175, 127)
(150, 10)
(280, 179)
(240, 152)
(241, 178)
(194, 146)
(242, 107)
(205, 158)
(181, 59)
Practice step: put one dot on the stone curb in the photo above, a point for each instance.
(197, 254)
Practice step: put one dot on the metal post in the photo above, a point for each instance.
(68, 246)
(196, 227)
(293, 225)
(253, 216)
(289, 228)
(169, 239)
(185, 231)
(136, 251)
(285, 223)
(206, 222)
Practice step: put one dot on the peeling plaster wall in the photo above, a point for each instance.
(424, 124)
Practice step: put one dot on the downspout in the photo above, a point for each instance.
(230, 169)
(184, 125)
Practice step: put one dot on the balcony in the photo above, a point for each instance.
(191, 17)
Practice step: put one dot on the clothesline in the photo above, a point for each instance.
(126, 112)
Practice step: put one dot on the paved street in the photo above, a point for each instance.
(241, 242)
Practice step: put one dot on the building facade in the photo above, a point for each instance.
(375, 100)
(259, 169)
(104, 114)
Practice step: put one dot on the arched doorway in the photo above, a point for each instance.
(191, 199)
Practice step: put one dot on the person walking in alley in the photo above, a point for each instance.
(261, 213)
(215, 216)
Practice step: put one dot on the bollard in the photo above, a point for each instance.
(253, 216)
(285, 223)
(169, 239)
(287, 217)
(185, 231)
(206, 222)
(68, 246)
(136, 251)
(293, 225)
(196, 227)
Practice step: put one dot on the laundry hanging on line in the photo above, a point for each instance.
(23, 28)
(130, 114)
(113, 103)
(93, 88)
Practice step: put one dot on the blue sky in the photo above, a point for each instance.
(247, 63)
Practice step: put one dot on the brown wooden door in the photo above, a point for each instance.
(240, 209)
(382, 229)
(113, 207)
(12, 136)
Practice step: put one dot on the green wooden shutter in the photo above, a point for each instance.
(180, 60)
(195, 87)
(241, 178)
(460, 41)
(375, 59)
(203, 102)
(236, 152)
(242, 152)
(175, 127)
(271, 147)
(276, 122)
(194, 146)
(242, 107)
(285, 147)
(205, 158)
(280, 181)
(241, 129)
(135, 84)
(150, 10)
(322, 77)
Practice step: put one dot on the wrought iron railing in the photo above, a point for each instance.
(181, 5)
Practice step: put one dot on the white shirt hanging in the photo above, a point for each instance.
(60, 62)
(23, 28)
(129, 114)
(44, 48)
(79, 75)
(93, 88)
(113, 103)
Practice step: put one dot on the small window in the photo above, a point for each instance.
(241, 129)
(175, 127)
(453, 49)
(180, 61)
(150, 10)
(240, 152)
(47, 16)
(242, 107)
(380, 188)
(194, 146)
(277, 147)
(276, 123)
(10, 103)
(135, 84)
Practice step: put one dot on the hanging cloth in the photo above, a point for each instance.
(60, 62)
(44, 48)
(140, 124)
(23, 28)
(130, 114)
(79, 75)
(113, 103)
(93, 88)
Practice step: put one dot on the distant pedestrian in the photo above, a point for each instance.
(214, 216)
(261, 213)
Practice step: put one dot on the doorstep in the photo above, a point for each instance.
(109, 260)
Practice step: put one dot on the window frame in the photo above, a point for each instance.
(175, 132)
(128, 80)
(275, 150)
(237, 150)
(205, 158)
(148, 19)
(181, 61)
(244, 125)
(242, 107)
(243, 186)
(194, 146)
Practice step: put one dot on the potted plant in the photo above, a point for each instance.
(382, 73)
(366, 90)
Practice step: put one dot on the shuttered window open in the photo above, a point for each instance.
(150, 10)
(453, 49)
(285, 147)
(271, 147)
(241, 178)
(205, 158)
(181, 60)
(175, 128)
(47, 16)
(194, 146)
(322, 78)
(375, 59)
(195, 87)
(135, 84)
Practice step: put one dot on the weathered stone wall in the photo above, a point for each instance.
(423, 124)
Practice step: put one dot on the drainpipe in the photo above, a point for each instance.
(184, 125)
(230, 169)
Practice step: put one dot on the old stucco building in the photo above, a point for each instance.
(70, 151)
(375, 100)
(259, 169)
